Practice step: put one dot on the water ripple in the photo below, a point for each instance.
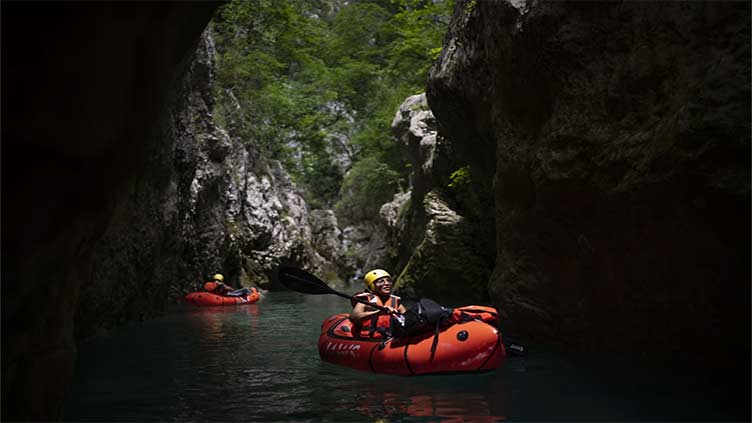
(260, 363)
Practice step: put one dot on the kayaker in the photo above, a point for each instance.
(370, 321)
(217, 286)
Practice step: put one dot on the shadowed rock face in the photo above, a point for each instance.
(445, 251)
(204, 202)
(617, 137)
(84, 86)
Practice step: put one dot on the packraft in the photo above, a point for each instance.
(208, 299)
(431, 340)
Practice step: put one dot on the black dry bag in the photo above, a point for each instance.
(425, 316)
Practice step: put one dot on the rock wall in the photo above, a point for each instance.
(444, 250)
(132, 195)
(204, 202)
(84, 88)
(617, 139)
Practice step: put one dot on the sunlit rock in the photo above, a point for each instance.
(365, 246)
(327, 235)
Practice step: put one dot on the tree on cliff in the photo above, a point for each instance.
(315, 84)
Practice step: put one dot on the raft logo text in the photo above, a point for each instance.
(342, 349)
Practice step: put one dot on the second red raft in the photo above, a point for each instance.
(209, 299)
(466, 346)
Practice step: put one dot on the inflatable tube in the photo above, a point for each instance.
(467, 345)
(209, 299)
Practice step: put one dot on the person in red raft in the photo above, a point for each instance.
(369, 321)
(218, 287)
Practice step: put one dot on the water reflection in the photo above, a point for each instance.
(436, 398)
(259, 362)
(440, 407)
(213, 324)
(247, 309)
(452, 407)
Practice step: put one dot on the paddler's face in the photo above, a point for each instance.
(383, 286)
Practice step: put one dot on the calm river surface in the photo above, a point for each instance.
(259, 362)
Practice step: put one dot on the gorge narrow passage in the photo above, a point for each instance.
(582, 166)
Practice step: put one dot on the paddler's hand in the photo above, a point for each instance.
(391, 310)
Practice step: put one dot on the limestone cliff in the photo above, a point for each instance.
(444, 250)
(617, 139)
(204, 202)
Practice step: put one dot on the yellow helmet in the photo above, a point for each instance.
(219, 277)
(373, 276)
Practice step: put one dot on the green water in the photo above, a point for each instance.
(259, 362)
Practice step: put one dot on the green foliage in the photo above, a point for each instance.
(422, 25)
(369, 184)
(461, 185)
(460, 178)
(293, 76)
(320, 175)
(470, 6)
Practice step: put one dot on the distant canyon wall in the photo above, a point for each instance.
(614, 140)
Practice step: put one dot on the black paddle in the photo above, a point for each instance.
(301, 281)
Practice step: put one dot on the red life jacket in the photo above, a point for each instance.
(369, 326)
(210, 286)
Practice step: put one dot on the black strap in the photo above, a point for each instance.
(384, 332)
(436, 334)
(435, 339)
(374, 321)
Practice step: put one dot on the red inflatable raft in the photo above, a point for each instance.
(466, 346)
(209, 299)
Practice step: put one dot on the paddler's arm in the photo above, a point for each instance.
(225, 288)
(360, 311)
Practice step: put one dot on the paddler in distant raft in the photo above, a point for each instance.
(369, 321)
(218, 287)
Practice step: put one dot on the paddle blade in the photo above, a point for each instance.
(299, 280)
